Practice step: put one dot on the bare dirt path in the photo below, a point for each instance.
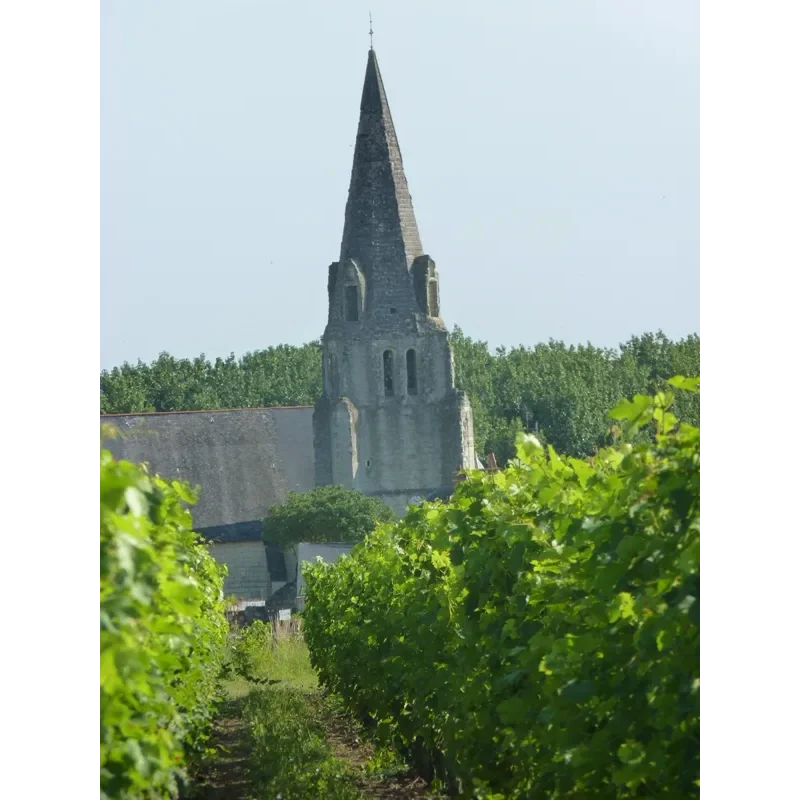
(345, 738)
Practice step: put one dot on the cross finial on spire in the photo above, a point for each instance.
(370, 30)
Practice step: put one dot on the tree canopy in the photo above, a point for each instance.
(561, 392)
(278, 376)
(324, 514)
(556, 390)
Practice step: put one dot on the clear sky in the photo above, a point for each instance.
(551, 148)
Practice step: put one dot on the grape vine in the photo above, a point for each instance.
(538, 636)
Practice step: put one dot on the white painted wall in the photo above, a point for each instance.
(328, 552)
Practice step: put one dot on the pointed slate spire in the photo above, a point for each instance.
(380, 230)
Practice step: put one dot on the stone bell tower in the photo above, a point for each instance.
(390, 422)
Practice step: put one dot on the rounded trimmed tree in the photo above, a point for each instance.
(324, 514)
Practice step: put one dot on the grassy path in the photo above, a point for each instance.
(277, 735)
(226, 777)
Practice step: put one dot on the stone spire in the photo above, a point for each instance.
(390, 422)
(380, 230)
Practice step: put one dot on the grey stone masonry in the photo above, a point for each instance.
(380, 230)
(390, 421)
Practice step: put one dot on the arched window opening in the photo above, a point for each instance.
(411, 371)
(433, 298)
(351, 303)
(388, 373)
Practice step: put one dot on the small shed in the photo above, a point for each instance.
(329, 552)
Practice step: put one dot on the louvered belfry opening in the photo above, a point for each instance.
(388, 373)
(411, 372)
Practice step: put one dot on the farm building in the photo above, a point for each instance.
(244, 460)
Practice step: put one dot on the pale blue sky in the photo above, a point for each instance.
(551, 148)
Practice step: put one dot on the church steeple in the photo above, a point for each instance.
(390, 421)
(380, 230)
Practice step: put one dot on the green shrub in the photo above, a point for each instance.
(324, 514)
(162, 633)
(251, 648)
(538, 636)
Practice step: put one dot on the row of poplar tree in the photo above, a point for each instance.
(560, 391)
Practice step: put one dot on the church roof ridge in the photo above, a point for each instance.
(200, 411)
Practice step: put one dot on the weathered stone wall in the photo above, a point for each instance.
(344, 442)
(248, 576)
(400, 446)
(385, 439)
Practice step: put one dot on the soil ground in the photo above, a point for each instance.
(226, 776)
(346, 742)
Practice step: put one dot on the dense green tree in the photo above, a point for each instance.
(662, 358)
(558, 391)
(123, 389)
(324, 514)
(561, 391)
(282, 375)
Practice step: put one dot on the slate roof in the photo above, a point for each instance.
(245, 460)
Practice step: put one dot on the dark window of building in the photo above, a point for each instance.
(388, 372)
(411, 371)
(276, 563)
(433, 299)
(351, 303)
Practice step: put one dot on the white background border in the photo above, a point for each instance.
(749, 256)
(49, 329)
(49, 254)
